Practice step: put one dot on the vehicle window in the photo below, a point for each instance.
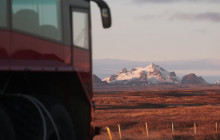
(3, 13)
(41, 18)
(80, 29)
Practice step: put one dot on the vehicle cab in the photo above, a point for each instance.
(46, 44)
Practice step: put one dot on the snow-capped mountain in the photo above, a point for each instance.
(152, 74)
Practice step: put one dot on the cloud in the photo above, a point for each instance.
(176, 1)
(200, 30)
(207, 16)
(151, 17)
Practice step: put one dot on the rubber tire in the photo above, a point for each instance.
(63, 122)
(6, 128)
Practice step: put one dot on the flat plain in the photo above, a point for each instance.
(194, 111)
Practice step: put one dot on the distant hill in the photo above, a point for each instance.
(98, 82)
(193, 79)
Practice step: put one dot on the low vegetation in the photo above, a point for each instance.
(186, 108)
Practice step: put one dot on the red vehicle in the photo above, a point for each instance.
(46, 69)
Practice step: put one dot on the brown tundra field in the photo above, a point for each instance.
(193, 110)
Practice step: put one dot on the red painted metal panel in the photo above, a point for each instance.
(19, 52)
(27, 47)
(81, 59)
(82, 62)
(34, 65)
(4, 44)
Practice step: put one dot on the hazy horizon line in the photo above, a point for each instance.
(207, 68)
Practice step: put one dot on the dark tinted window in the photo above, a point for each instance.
(3, 13)
(40, 17)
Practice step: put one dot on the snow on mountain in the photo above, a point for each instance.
(152, 74)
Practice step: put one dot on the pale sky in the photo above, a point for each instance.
(158, 30)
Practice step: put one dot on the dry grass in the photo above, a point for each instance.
(159, 108)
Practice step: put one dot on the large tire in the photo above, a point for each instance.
(63, 123)
(6, 127)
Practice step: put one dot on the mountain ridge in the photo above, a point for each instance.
(152, 74)
(104, 67)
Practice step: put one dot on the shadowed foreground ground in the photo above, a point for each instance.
(133, 107)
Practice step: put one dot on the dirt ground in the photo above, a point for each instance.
(159, 107)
